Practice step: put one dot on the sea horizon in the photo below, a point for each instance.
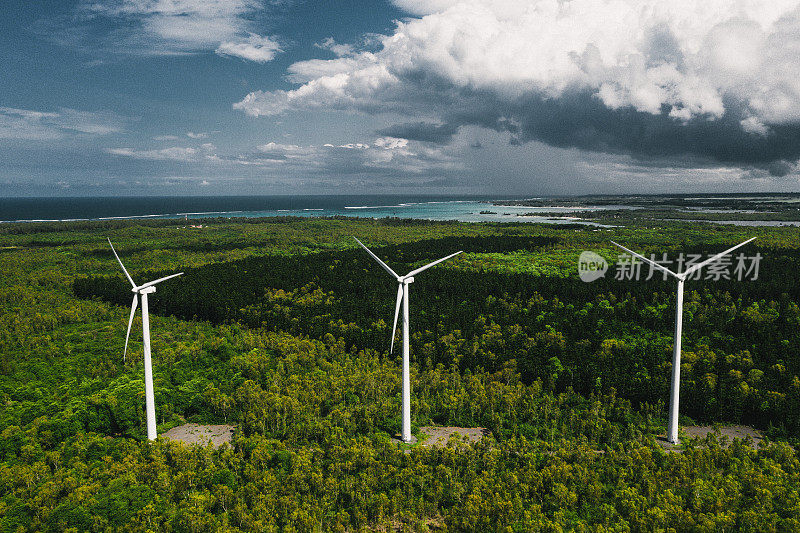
(463, 208)
(68, 209)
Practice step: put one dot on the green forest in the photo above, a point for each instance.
(282, 327)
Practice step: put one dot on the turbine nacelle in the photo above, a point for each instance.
(146, 290)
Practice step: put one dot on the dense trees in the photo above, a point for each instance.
(274, 329)
(555, 328)
(308, 457)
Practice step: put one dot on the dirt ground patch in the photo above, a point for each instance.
(438, 436)
(731, 432)
(201, 434)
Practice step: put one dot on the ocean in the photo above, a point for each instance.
(464, 209)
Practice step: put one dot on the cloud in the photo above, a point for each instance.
(620, 173)
(254, 48)
(422, 131)
(27, 124)
(165, 27)
(384, 156)
(339, 49)
(779, 169)
(714, 80)
(191, 134)
(388, 157)
(391, 143)
(173, 153)
(424, 7)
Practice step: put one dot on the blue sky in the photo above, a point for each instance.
(168, 97)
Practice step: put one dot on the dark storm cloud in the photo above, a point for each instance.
(780, 169)
(581, 120)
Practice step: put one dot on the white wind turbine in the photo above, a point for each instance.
(402, 298)
(142, 291)
(674, 392)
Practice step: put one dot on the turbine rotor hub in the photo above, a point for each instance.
(147, 290)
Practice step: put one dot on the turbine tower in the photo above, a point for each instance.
(141, 291)
(402, 298)
(674, 389)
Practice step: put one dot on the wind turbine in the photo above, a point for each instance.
(402, 298)
(674, 389)
(141, 291)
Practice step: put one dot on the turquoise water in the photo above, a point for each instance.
(461, 210)
(425, 208)
(413, 207)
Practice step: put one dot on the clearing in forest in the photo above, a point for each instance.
(201, 434)
(438, 436)
(731, 432)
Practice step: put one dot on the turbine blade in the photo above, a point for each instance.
(714, 258)
(120, 263)
(130, 323)
(378, 259)
(159, 280)
(396, 313)
(646, 260)
(426, 267)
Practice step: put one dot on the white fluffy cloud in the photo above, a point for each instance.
(391, 143)
(171, 27)
(254, 48)
(29, 124)
(684, 55)
(685, 61)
